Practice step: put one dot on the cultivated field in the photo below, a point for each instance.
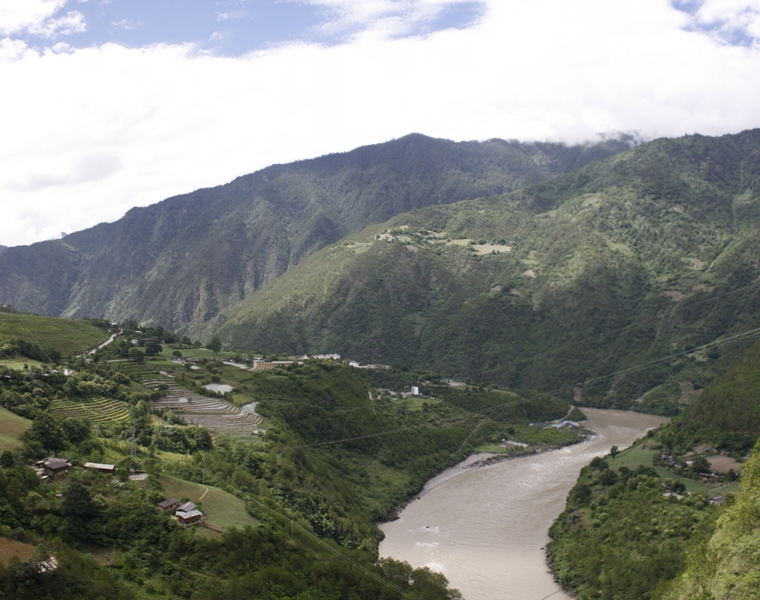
(218, 416)
(11, 428)
(97, 410)
(65, 335)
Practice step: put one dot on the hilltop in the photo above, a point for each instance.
(186, 258)
(623, 283)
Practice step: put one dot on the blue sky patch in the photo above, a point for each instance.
(733, 34)
(228, 27)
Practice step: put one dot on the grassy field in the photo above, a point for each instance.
(65, 335)
(197, 353)
(18, 363)
(641, 454)
(10, 548)
(11, 428)
(219, 508)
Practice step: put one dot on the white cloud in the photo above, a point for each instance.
(38, 18)
(126, 24)
(89, 133)
(731, 16)
(386, 17)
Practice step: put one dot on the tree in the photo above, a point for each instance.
(614, 451)
(46, 430)
(153, 348)
(701, 465)
(215, 344)
(136, 355)
(77, 508)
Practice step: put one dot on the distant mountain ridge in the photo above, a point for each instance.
(183, 260)
(596, 283)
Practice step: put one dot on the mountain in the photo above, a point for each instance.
(186, 258)
(605, 283)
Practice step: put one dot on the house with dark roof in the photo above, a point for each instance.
(52, 467)
(168, 505)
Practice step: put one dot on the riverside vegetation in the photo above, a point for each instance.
(609, 275)
(628, 530)
(340, 453)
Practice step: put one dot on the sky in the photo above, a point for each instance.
(110, 104)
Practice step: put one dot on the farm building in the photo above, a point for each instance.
(52, 467)
(260, 365)
(103, 468)
(189, 518)
(168, 505)
(186, 507)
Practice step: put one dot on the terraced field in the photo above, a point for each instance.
(97, 410)
(218, 416)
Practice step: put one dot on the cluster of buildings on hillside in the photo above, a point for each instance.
(52, 467)
(185, 513)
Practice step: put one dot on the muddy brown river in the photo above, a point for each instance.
(485, 528)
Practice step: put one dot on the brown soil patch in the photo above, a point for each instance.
(723, 464)
(10, 548)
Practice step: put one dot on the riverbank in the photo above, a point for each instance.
(485, 459)
(484, 523)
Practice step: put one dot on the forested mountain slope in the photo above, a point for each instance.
(610, 279)
(187, 257)
(637, 526)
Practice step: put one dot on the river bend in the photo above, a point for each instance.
(485, 529)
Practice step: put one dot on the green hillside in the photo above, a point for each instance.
(11, 428)
(290, 512)
(612, 280)
(727, 413)
(640, 526)
(50, 335)
(186, 258)
(728, 565)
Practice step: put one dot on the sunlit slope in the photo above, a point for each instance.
(610, 280)
(66, 336)
(186, 258)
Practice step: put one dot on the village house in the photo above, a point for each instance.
(52, 467)
(186, 507)
(189, 518)
(168, 505)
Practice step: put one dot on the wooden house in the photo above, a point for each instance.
(168, 505)
(52, 467)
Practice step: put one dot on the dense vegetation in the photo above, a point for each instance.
(184, 259)
(630, 533)
(342, 450)
(623, 280)
(728, 565)
(621, 536)
(726, 414)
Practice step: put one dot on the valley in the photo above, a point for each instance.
(183, 351)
